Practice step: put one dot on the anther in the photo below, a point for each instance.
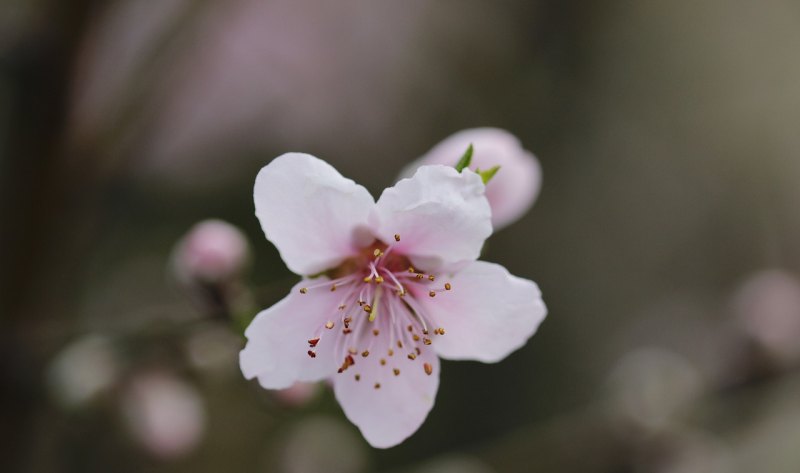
(376, 332)
(333, 287)
(341, 307)
(376, 252)
(365, 353)
(313, 342)
(424, 331)
(431, 278)
(426, 341)
(368, 279)
(329, 325)
(352, 351)
(432, 293)
(378, 279)
(396, 372)
(367, 308)
(347, 321)
(439, 331)
(447, 286)
(391, 352)
(396, 237)
(312, 354)
(428, 368)
(415, 337)
(411, 269)
(303, 290)
(377, 385)
(346, 331)
(358, 377)
(412, 356)
(420, 276)
(399, 344)
(410, 328)
(419, 352)
(383, 362)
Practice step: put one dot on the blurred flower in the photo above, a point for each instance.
(384, 264)
(82, 370)
(767, 307)
(454, 464)
(650, 386)
(213, 251)
(322, 444)
(213, 348)
(163, 414)
(297, 395)
(515, 187)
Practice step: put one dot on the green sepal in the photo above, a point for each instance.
(465, 160)
(487, 175)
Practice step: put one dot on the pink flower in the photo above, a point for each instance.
(212, 251)
(389, 287)
(513, 190)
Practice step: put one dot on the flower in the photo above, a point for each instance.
(388, 287)
(513, 190)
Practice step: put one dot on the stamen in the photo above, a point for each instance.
(415, 337)
(427, 341)
(383, 362)
(365, 353)
(396, 237)
(431, 278)
(447, 286)
(313, 342)
(303, 290)
(412, 356)
(329, 325)
(439, 331)
(396, 372)
(428, 368)
(432, 293)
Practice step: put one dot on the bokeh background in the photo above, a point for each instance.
(666, 238)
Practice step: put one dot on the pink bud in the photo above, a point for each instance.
(163, 414)
(213, 251)
(513, 189)
(768, 309)
(297, 395)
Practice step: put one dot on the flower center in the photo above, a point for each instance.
(379, 318)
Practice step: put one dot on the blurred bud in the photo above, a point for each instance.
(516, 185)
(212, 252)
(767, 307)
(82, 370)
(163, 414)
(323, 444)
(650, 386)
(298, 395)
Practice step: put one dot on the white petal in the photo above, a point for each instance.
(441, 216)
(391, 413)
(486, 315)
(277, 339)
(513, 190)
(314, 216)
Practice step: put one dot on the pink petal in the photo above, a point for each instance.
(314, 216)
(390, 413)
(513, 190)
(277, 339)
(486, 315)
(441, 215)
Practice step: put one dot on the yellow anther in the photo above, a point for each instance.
(426, 341)
(396, 237)
(329, 325)
(303, 290)
(412, 356)
(415, 337)
(367, 308)
(431, 277)
(377, 252)
(420, 276)
(411, 269)
(368, 279)
(383, 362)
(396, 372)
(365, 353)
(432, 293)
(447, 286)
(378, 279)
(333, 287)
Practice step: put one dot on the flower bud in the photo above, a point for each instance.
(767, 307)
(212, 252)
(513, 189)
(83, 370)
(163, 414)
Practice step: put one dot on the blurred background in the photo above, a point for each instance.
(666, 237)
